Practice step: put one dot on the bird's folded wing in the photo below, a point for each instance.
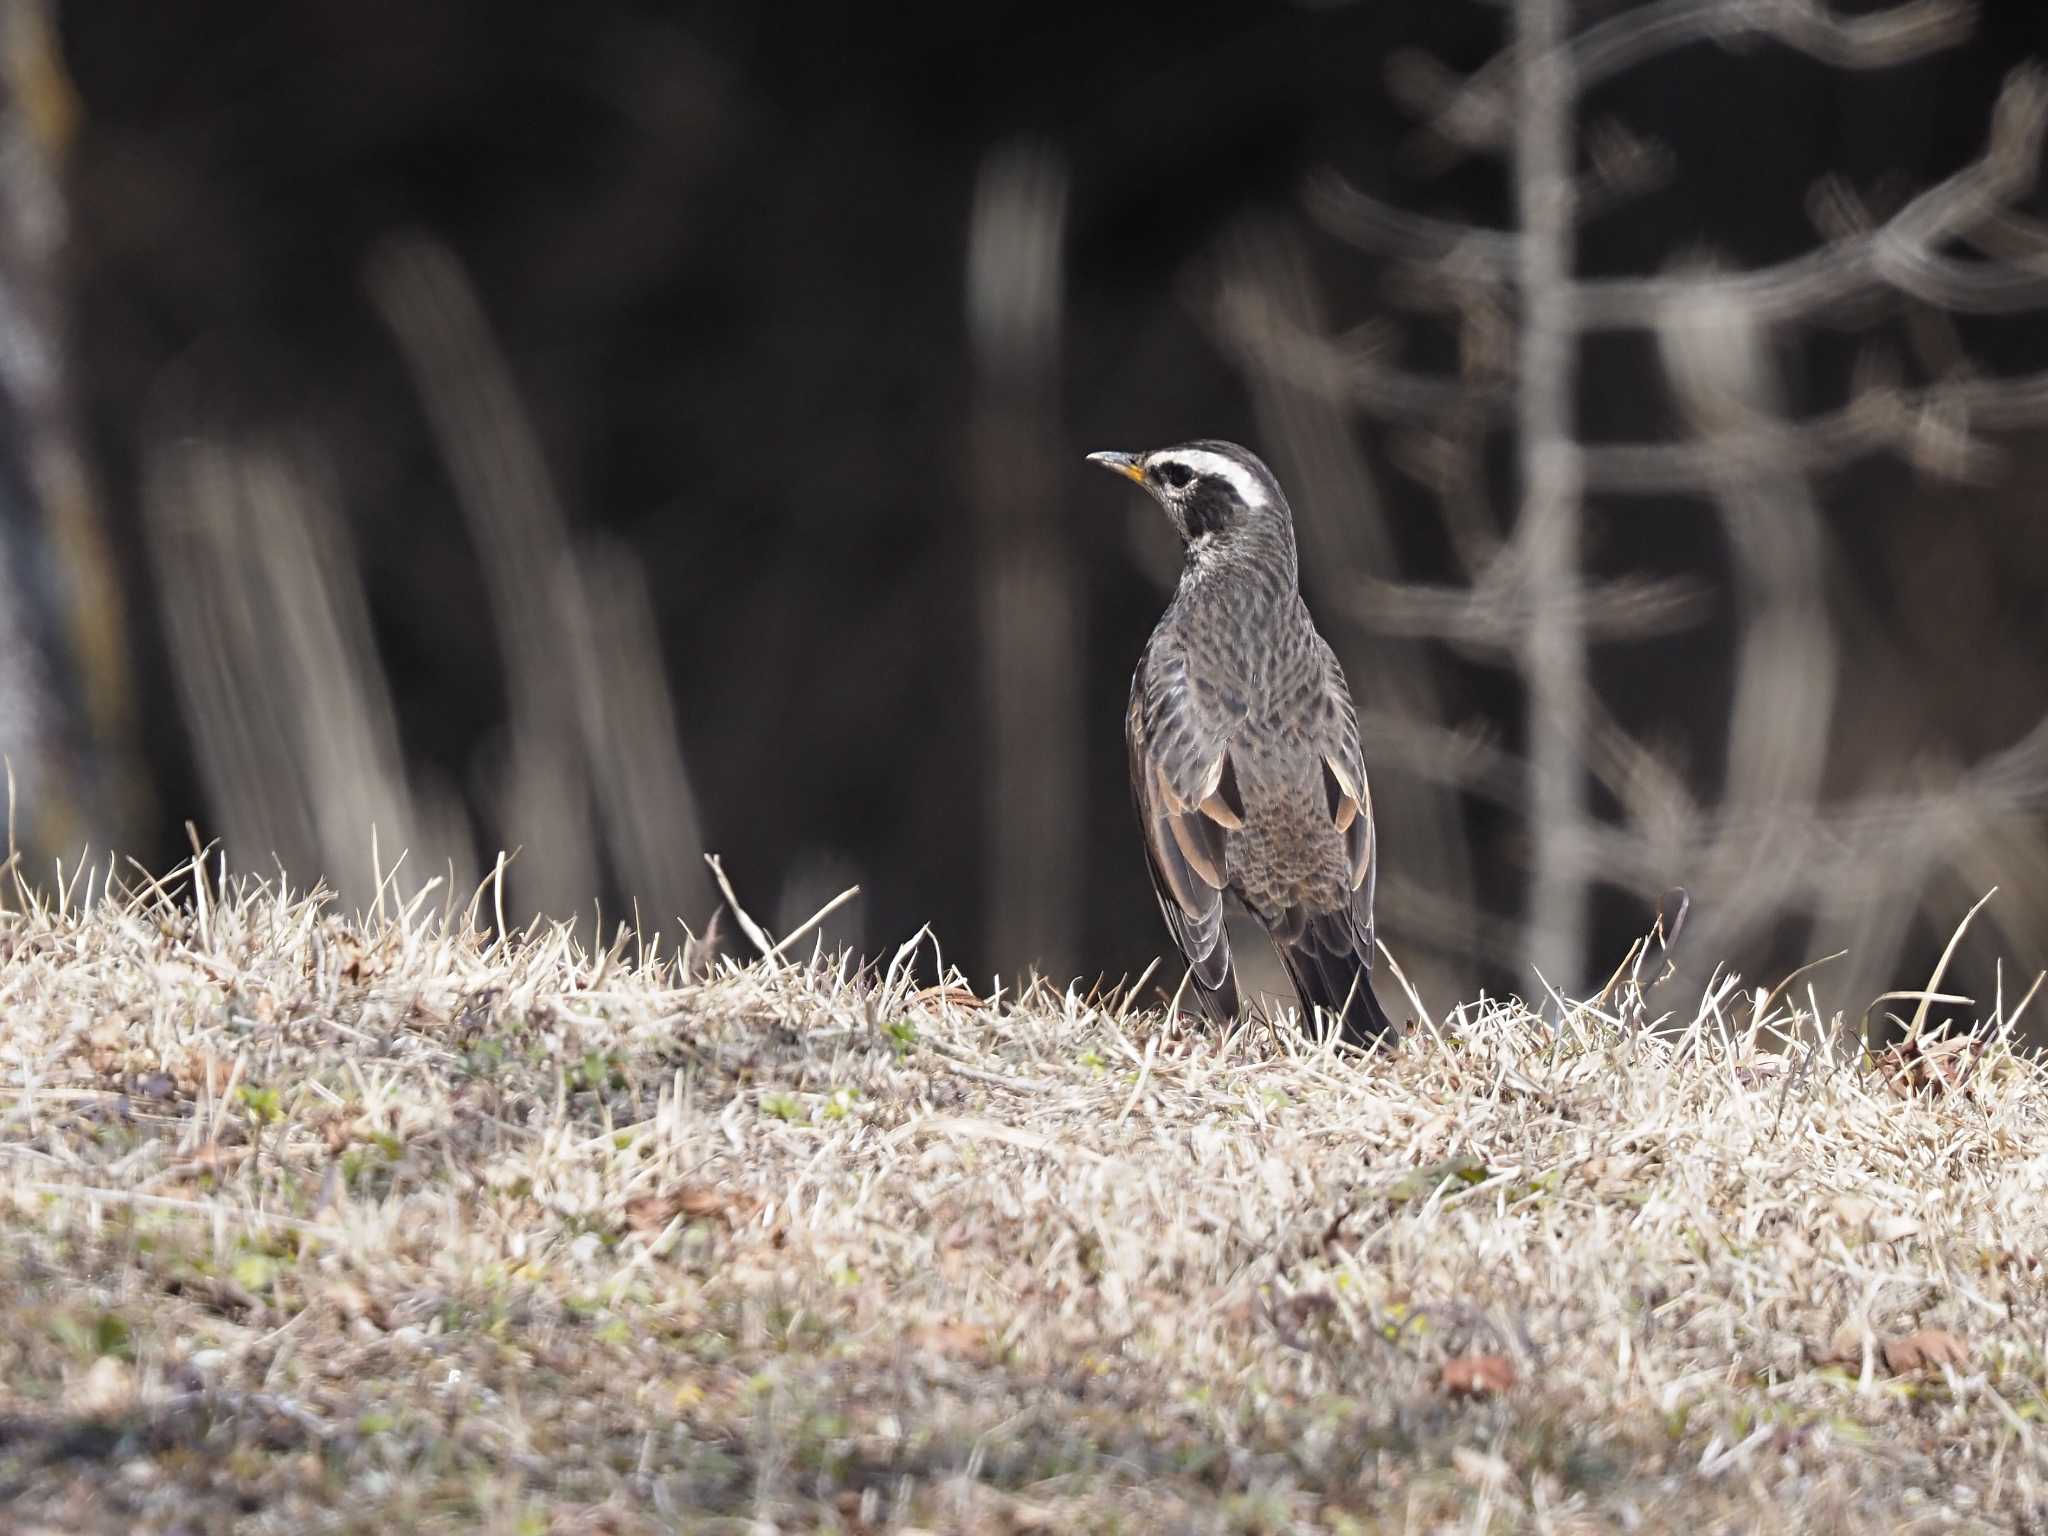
(1351, 812)
(1350, 796)
(1185, 790)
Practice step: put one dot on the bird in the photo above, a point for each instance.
(1246, 768)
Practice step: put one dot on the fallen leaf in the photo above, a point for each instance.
(650, 1213)
(1928, 1349)
(1478, 1375)
(1930, 1066)
(956, 996)
(956, 1341)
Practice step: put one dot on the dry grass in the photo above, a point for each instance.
(319, 1225)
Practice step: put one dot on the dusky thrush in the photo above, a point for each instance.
(1245, 763)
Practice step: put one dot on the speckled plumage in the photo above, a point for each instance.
(1245, 762)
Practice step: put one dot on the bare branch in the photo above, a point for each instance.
(289, 706)
(2010, 852)
(1354, 371)
(1800, 286)
(1469, 251)
(1469, 112)
(1622, 167)
(1901, 253)
(1931, 427)
(1786, 656)
(1652, 793)
(1428, 918)
(1478, 112)
(1820, 849)
(1454, 255)
(646, 807)
(516, 519)
(1630, 607)
(1462, 757)
(2013, 237)
(1448, 458)
(1895, 36)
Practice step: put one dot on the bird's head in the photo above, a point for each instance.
(1212, 491)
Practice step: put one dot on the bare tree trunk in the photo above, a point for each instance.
(1773, 851)
(65, 697)
(1033, 789)
(1547, 537)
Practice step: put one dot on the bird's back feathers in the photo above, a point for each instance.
(1246, 768)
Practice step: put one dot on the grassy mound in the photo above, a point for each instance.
(324, 1225)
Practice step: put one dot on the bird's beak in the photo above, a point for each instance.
(1126, 464)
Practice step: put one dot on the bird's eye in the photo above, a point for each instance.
(1176, 476)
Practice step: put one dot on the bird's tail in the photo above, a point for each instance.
(1220, 1001)
(1332, 971)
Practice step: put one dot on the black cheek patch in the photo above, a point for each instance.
(1209, 508)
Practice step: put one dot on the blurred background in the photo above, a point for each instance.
(622, 431)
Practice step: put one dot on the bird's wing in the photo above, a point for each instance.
(1344, 786)
(1185, 790)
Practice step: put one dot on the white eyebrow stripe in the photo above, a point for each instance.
(1202, 462)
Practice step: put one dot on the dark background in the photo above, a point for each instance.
(721, 249)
